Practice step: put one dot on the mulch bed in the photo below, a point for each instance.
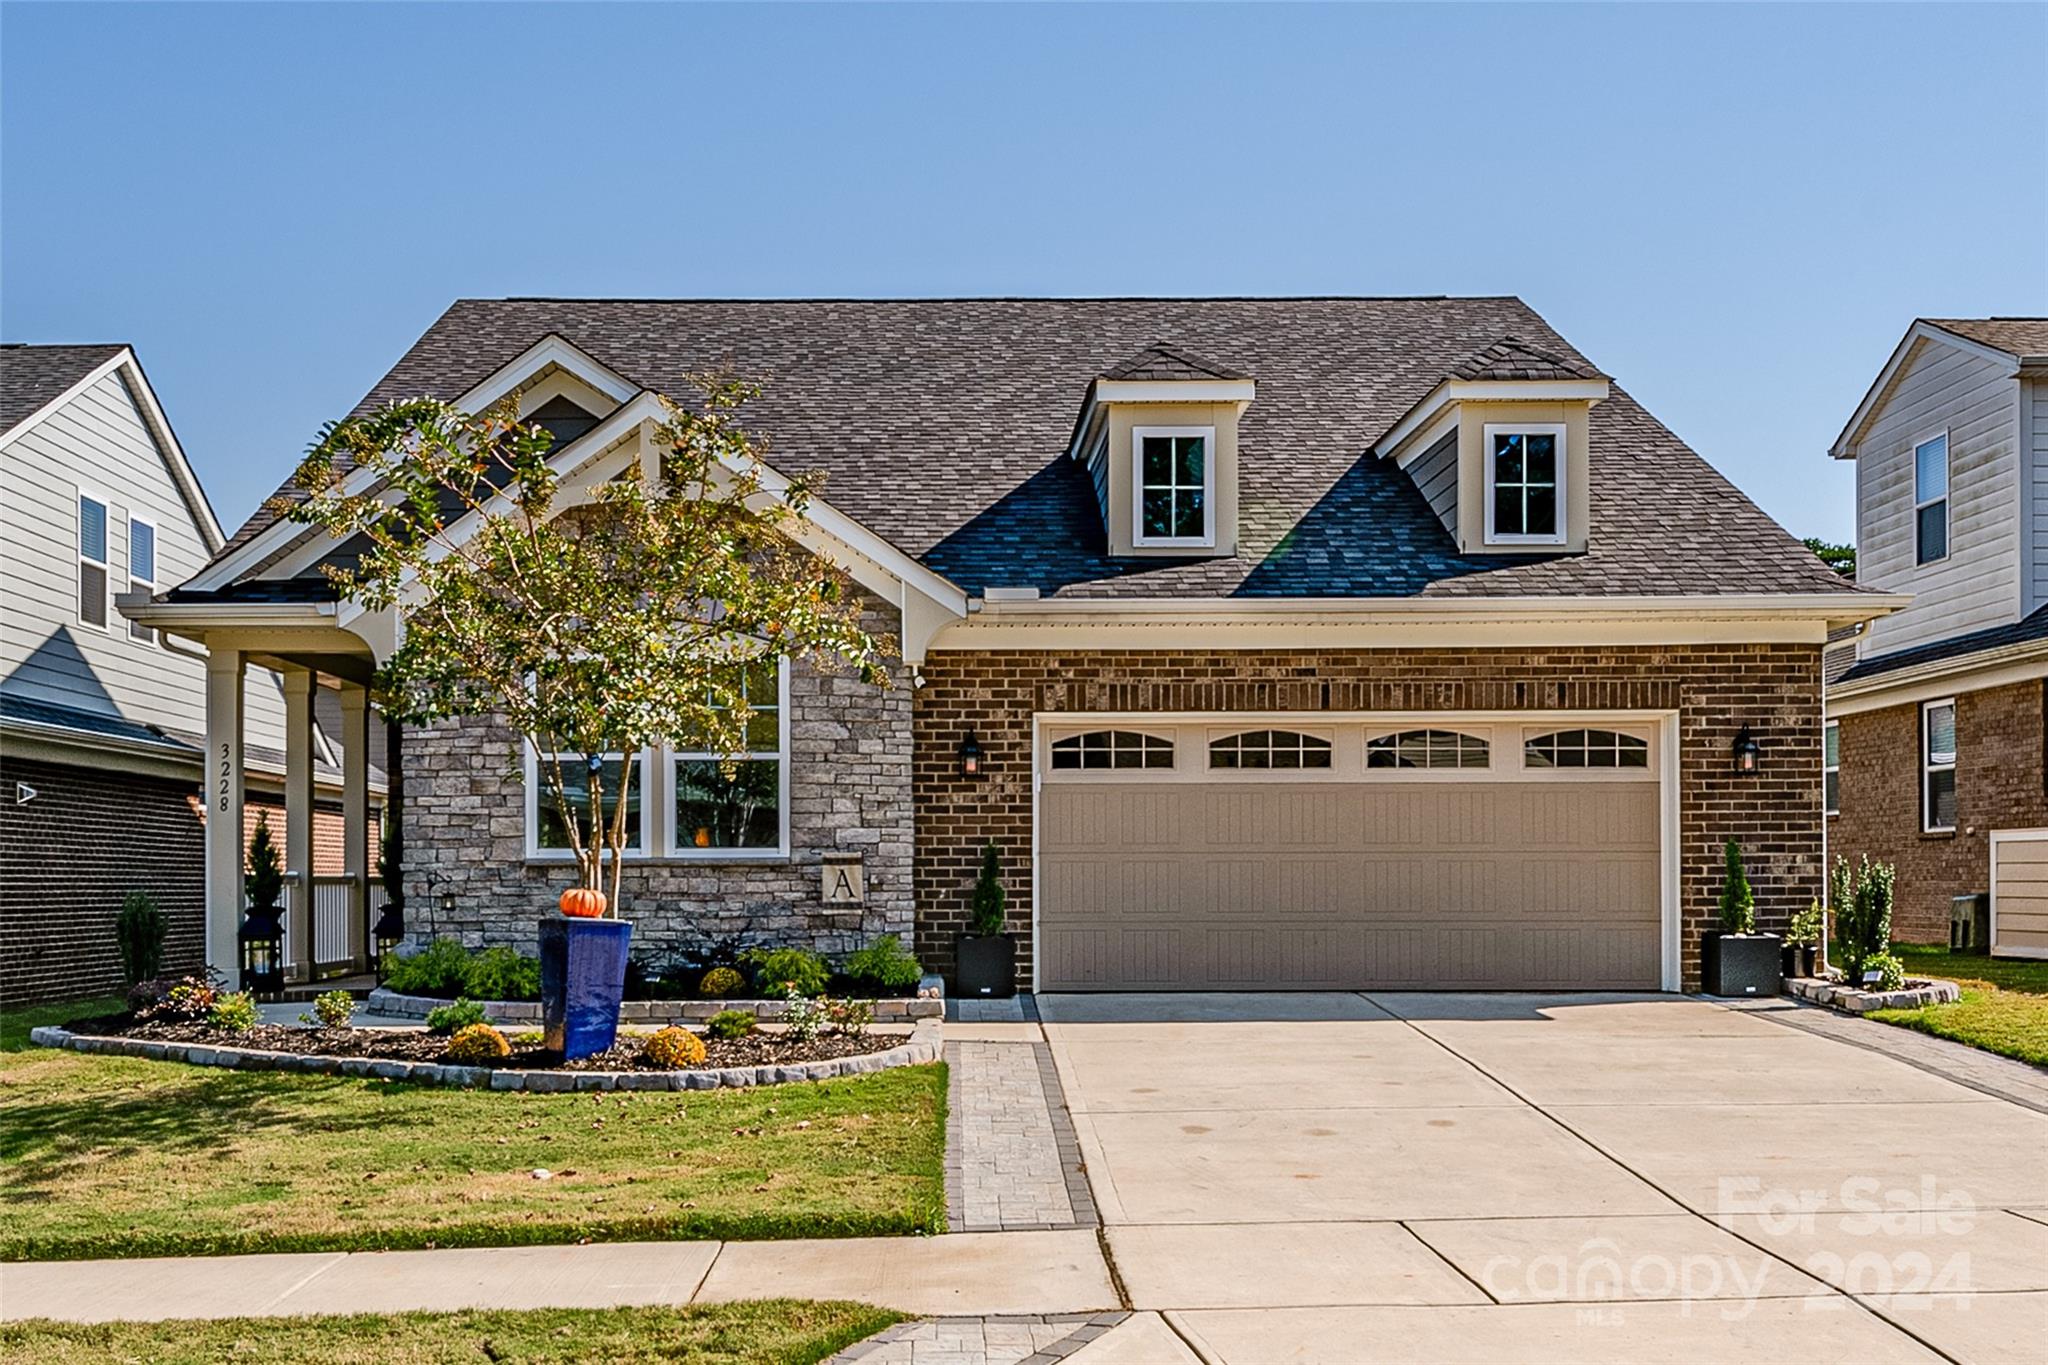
(417, 1045)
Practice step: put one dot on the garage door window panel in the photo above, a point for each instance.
(1585, 750)
(1112, 751)
(1436, 750)
(1268, 750)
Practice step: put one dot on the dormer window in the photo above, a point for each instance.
(1525, 468)
(1176, 481)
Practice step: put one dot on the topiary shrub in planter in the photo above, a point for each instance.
(1737, 960)
(985, 957)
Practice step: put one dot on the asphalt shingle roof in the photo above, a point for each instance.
(2024, 631)
(942, 424)
(1509, 358)
(1161, 361)
(2022, 337)
(30, 376)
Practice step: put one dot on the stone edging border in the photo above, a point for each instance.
(895, 1010)
(1849, 1000)
(923, 1045)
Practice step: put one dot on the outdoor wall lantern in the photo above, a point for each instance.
(1747, 753)
(447, 902)
(261, 938)
(970, 756)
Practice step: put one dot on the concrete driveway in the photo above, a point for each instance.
(1539, 1177)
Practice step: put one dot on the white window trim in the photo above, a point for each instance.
(1928, 767)
(1828, 769)
(148, 634)
(534, 793)
(1207, 540)
(672, 836)
(1948, 471)
(1554, 429)
(104, 564)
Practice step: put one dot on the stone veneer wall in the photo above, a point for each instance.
(849, 792)
(1716, 689)
(2000, 784)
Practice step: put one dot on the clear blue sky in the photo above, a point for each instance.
(1736, 210)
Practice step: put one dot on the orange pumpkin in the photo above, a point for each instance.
(580, 902)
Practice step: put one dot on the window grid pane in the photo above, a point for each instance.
(142, 551)
(1112, 749)
(552, 834)
(1427, 749)
(714, 811)
(1524, 484)
(1930, 470)
(92, 530)
(1268, 749)
(1585, 749)
(1172, 482)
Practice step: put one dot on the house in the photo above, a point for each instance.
(102, 720)
(1935, 713)
(1314, 642)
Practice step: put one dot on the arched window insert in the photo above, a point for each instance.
(1269, 749)
(1112, 749)
(1585, 749)
(1427, 749)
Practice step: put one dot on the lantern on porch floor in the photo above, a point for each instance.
(262, 941)
(388, 932)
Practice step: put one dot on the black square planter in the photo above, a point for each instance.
(985, 968)
(1740, 964)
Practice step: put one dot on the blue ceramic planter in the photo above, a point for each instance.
(582, 981)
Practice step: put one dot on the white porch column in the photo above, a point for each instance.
(355, 817)
(222, 789)
(298, 818)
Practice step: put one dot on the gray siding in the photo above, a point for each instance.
(99, 442)
(1435, 472)
(1978, 585)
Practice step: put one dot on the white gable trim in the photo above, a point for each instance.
(1866, 412)
(189, 487)
(1175, 390)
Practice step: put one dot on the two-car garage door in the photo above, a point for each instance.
(1209, 855)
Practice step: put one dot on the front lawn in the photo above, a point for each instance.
(2004, 1008)
(762, 1332)
(117, 1156)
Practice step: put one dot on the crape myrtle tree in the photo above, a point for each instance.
(592, 620)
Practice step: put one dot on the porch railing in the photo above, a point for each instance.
(341, 942)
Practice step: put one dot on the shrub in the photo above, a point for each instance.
(673, 1048)
(531, 1037)
(334, 1009)
(501, 974)
(730, 1024)
(885, 965)
(188, 998)
(141, 929)
(234, 1012)
(1738, 902)
(455, 1016)
(720, 982)
(1863, 916)
(1891, 973)
(987, 907)
(264, 882)
(804, 1017)
(779, 971)
(477, 1045)
(850, 1017)
(441, 968)
(1807, 926)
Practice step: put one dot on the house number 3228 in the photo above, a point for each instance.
(227, 754)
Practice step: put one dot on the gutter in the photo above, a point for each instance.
(1837, 608)
(1954, 665)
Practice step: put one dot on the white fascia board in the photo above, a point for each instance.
(1839, 607)
(1967, 673)
(1844, 447)
(1454, 391)
(1423, 437)
(551, 349)
(1175, 390)
(185, 616)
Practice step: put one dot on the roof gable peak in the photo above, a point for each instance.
(1163, 360)
(1512, 358)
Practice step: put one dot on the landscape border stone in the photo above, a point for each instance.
(1850, 1000)
(894, 1010)
(924, 1044)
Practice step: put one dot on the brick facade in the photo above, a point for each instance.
(1716, 689)
(2000, 784)
(68, 857)
(849, 792)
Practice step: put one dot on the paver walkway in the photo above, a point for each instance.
(1012, 1162)
(1040, 1339)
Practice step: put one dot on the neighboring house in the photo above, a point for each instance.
(1304, 642)
(1935, 733)
(102, 720)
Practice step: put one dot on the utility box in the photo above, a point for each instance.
(1969, 923)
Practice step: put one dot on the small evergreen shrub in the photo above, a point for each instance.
(531, 1037)
(1863, 917)
(455, 1016)
(141, 929)
(502, 974)
(477, 1045)
(333, 1009)
(885, 966)
(1738, 902)
(720, 982)
(234, 1012)
(441, 968)
(987, 907)
(674, 1048)
(264, 882)
(779, 971)
(730, 1024)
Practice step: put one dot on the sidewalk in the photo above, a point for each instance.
(960, 1275)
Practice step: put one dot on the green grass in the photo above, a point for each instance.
(2004, 1008)
(118, 1156)
(763, 1332)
